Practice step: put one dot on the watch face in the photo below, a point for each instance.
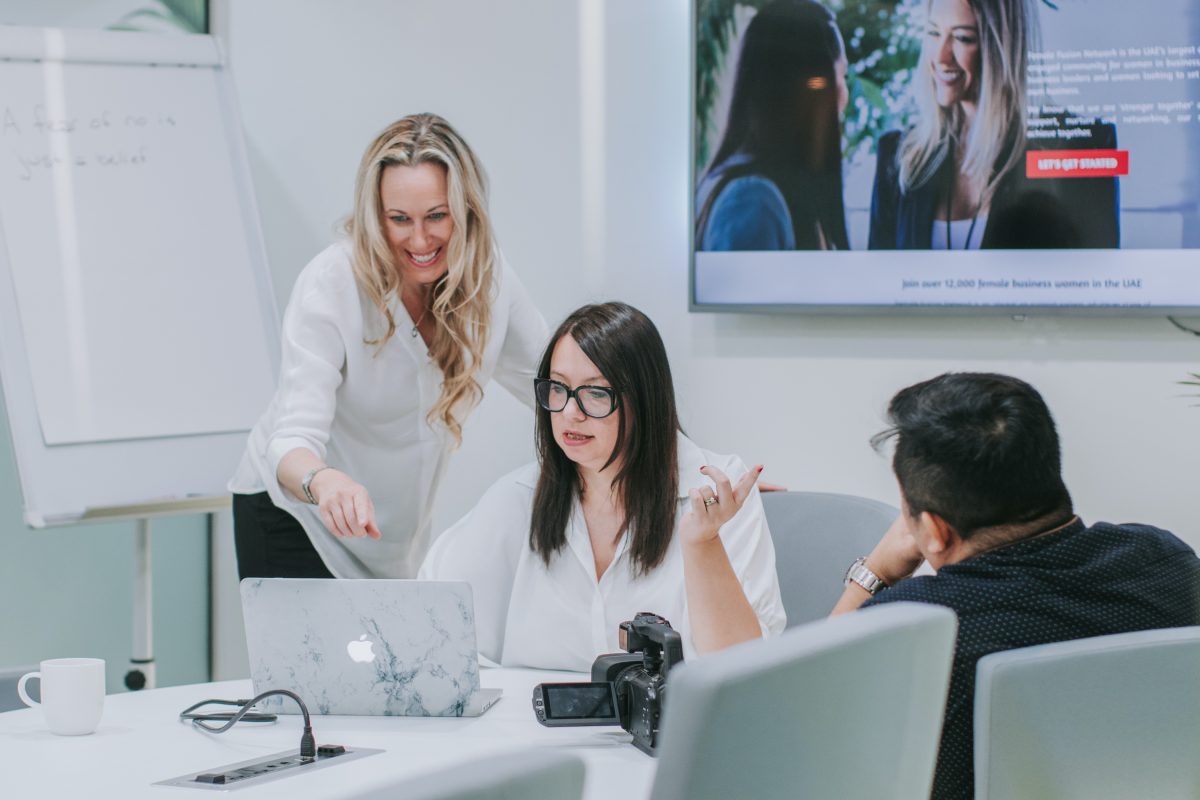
(860, 574)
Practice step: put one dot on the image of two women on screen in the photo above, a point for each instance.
(927, 125)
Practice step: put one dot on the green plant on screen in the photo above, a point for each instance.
(883, 45)
(186, 16)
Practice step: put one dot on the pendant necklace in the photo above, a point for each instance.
(416, 325)
(949, 211)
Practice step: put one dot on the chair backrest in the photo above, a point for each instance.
(846, 707)
(518, 775)
(9, 701)
(1111, 716)
(816, 536)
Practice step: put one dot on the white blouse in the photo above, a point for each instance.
(364, 410)
(964, 234)
(561, 616)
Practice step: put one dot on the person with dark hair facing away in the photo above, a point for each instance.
(621, 514)
(775, 182)
(983, 501)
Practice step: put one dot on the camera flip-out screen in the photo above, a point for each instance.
(573, 704)
(580, 701)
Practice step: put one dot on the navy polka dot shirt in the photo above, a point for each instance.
(1070, 584)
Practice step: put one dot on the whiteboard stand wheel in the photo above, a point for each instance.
(135, 679)
(140, 676)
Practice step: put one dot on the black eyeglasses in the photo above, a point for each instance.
(595, 401)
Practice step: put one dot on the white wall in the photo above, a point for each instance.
(580, 112)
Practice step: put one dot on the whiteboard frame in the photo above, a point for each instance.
(136, 478)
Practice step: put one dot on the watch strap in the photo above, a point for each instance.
(859, 573)
(306, 484)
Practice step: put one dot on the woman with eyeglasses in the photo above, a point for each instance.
(621, 514)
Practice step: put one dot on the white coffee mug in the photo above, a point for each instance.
(72, 694)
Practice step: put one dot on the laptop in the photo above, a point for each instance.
(365, 647)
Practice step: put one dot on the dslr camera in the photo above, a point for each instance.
(627, 689)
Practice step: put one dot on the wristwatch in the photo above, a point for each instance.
(868, 580)
(307, 483)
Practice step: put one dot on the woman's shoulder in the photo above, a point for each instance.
(513, 491)
(756, 189)
(522, 480)
(503, 275)
(749, 213)
(329, 271)
(890, 142)
(499, 518)
(886, 150)
(887, 181)
(736, 181)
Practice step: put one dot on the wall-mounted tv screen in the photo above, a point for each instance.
(1005, 154)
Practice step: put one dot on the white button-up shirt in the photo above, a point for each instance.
(363, 409)
(561, 616)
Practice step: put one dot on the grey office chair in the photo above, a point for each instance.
(846, 707)
(9, 701)
(816, 536)
(1112, 716)
(522, 775)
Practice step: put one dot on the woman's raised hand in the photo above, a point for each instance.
(710, 508)
(345, 506)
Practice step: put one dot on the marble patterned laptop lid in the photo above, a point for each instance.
(362, 647)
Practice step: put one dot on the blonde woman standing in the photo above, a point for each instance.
(389, 337)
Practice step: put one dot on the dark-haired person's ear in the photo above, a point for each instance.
(939, 535)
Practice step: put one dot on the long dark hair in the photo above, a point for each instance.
(784, 115)
(625, 346)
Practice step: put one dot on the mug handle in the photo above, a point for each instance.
(25, 698)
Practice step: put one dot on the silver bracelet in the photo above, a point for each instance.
(306, 484)
(862, 575)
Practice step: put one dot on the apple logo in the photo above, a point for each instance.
(361, 650)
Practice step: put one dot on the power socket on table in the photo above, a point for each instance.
(263, 770)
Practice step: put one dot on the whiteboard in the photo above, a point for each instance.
(138, 327)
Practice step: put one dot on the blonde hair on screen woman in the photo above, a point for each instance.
(1007, 31)
(460, 304)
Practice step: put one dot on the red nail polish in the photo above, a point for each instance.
(760, 469)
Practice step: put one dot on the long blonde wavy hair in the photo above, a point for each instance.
(1007, 30)
(461, 299)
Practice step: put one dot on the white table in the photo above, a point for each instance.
(140, 741)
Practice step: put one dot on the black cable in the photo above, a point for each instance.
(190, 714)
(308, 744)
(1183, 327)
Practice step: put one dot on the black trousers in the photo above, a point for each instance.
(270, 542)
